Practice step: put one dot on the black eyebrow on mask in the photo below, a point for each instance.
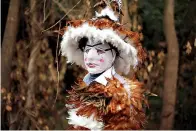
(94, 45)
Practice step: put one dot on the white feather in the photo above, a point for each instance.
(107, 12)
(88, 122)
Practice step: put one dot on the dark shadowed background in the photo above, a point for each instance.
(35, 77)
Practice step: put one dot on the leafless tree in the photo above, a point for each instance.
(8, 47)
(171, 68)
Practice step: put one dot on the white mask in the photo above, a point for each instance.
(98, 57)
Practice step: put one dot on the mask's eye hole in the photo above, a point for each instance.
(87, 50)
(100, 51)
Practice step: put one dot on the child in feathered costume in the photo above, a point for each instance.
(104, 100)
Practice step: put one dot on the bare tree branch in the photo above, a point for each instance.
(57, 62)
(60, 6)
(62, 17)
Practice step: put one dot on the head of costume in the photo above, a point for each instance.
(88, 42)
(98, 57)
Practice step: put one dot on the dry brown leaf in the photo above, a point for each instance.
(145, 75)
(150, 67)
(5, 97)
(139, 27)
(152, 53)
(46, 127)
(23, 98)
(8, 108)
(161, 55)
(141, 36)
(40, 121)
(188, 48)
(3, 90)
(9, 97)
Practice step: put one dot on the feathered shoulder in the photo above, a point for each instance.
(112, 103)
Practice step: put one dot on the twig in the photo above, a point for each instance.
(57, 62)
(60, 6)
(47, 16)
(62, 17)
(59, 52)
(19, 112)
(88, 3)
(33, 120)
(44, 10)
(62, 111)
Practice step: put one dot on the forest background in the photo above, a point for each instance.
(35, 77)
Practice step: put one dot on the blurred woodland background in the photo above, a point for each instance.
(34, 76)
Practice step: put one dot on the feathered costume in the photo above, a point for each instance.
(110, 106)
(110, 102)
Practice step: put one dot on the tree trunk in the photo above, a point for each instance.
(171, 69)
(8, 45)
(133, 12)
(126, 18)
(9, 40)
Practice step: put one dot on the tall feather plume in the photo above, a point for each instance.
(115, 5)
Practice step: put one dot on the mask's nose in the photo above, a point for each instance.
(92, 54)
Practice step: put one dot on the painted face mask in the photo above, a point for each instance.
(98, 57)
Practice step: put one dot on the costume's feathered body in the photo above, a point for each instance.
(111, 105)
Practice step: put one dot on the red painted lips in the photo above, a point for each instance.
(91, 65)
